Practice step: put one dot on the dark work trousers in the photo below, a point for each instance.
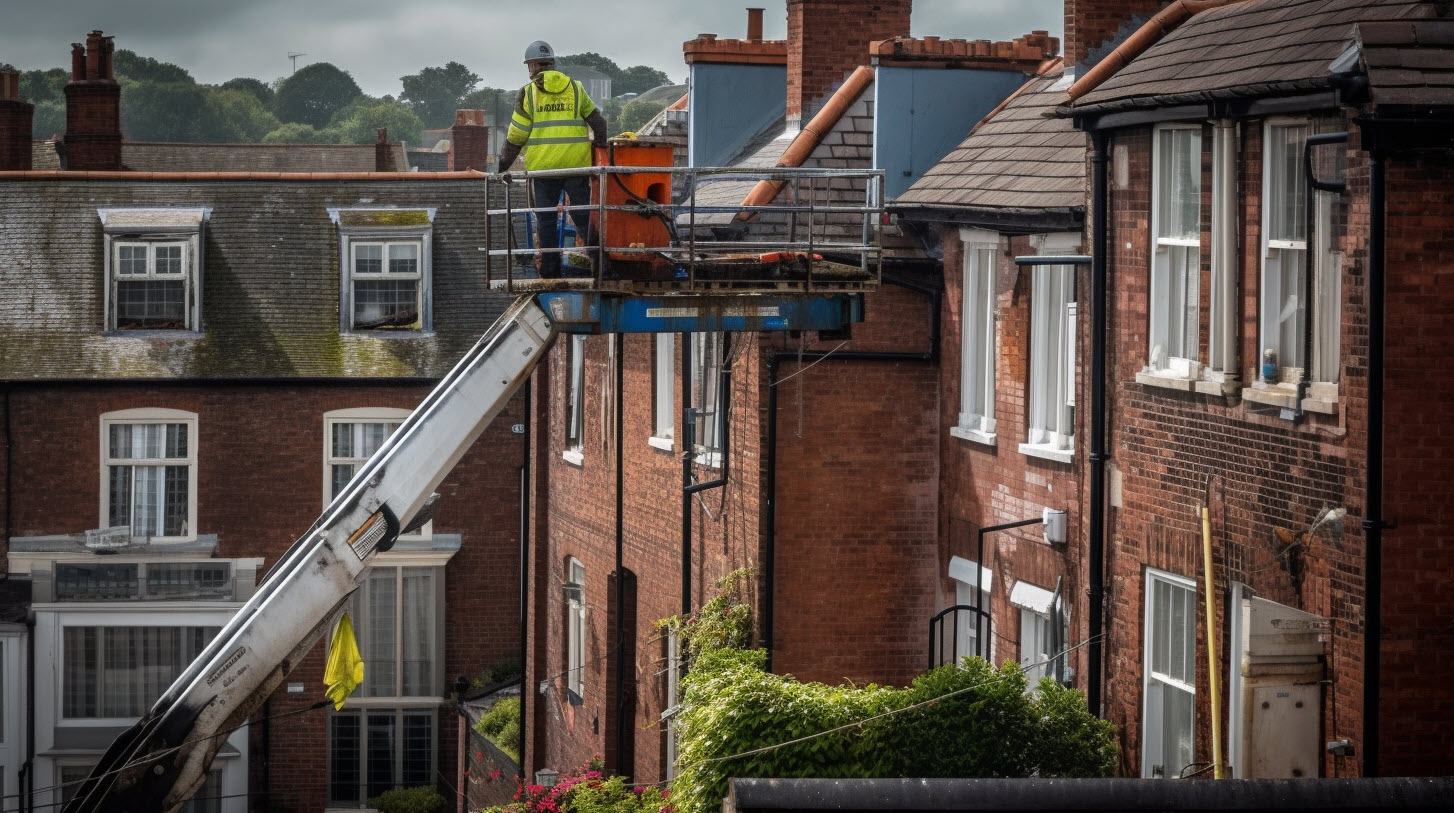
(547, 194)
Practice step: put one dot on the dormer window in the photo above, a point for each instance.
(153, 274)
(384, 280)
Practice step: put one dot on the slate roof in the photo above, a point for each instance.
(165, 157)
(1017, 161)
(1248, 49)
(270, 277)
(429, 160)
(1409, 64)
(43, 155)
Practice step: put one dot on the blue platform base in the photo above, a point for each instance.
(601, 312)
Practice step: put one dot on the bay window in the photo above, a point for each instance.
(113, 672)
(387, 736)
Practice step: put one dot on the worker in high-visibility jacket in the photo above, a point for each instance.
(556, 123)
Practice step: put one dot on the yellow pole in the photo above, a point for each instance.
(1219, 771)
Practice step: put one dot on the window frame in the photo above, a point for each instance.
(576, 629)
(974, 587)
(707, 361)
(1050, 405)
(978, 333)
(98, 678)
(1224, 306)
(1164, 249)
(150, 416)
(663, 391)
(1321, 248)
(361, 415)
(352, 234)
(362, 713)
(362, 616)
(1152, 679)
(1037, 607)
(575, 399)
(1270, 296)
(154, 227)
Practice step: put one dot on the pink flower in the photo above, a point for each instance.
(495, 774)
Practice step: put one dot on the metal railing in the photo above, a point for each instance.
(816, 214)
(965, 617)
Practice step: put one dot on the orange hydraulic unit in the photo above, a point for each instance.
(646, 194)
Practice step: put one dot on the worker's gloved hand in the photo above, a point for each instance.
(504, 177)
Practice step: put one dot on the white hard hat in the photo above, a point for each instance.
(540, 49)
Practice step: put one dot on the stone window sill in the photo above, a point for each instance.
(574, 457)
(665, 444)
(1048, 452)
(973, 435)
(1322, 398)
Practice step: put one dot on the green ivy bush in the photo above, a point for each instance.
(409, 800)
(501, 726)
(736, 719)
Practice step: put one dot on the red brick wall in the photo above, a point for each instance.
(259, 484)
(1089, 23)
(581, 522)
(986, 485)
(857, 475)
(856, 428)
(1416, 700)
(829, 38)
(1265, 472)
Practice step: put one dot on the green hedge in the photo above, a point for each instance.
(736, 719)
(501, 726)
(409, 800)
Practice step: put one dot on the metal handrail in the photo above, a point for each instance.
(823, 203)
(936, 633)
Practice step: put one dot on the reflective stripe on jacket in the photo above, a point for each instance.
(550, 122)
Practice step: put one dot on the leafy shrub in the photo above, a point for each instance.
(587, 790)
(736, 719)
(409, 800)
(501, 726)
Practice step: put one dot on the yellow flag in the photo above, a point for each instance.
(345, 670)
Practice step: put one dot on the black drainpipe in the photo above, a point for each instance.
(524, 572)
(1095, 547)
(622, 725)
(774, 358)
(1373, 522)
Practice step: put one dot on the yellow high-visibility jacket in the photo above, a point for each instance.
(549, 121)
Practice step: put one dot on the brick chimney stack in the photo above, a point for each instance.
(93, 107)
(16, 118)
(469, 141)
(829, 38)
(384, 153)
(1089, 23)
(754, 25)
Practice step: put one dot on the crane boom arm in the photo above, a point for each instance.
(163, 759)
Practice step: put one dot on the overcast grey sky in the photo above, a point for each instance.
(377, 41)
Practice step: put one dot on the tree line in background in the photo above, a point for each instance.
(318, 104)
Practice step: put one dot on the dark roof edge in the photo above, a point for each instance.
(1242, 93)
(182, 177)
(254, 381)
(1012, 221)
